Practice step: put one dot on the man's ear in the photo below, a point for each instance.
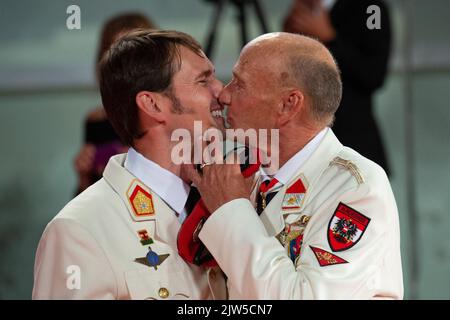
(150, 103)
(292, 103)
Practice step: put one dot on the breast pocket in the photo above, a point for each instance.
(162, 284)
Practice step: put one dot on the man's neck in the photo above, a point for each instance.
(292, 141)
(159, 152)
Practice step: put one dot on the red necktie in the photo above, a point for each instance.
(190, 248)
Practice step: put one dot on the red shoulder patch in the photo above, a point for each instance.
(326, 258)
(346, 228)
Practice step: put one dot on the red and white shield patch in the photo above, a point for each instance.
(346, 228)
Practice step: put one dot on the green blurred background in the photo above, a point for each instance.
(47, 86)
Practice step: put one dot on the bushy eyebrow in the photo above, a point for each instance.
(205, 74)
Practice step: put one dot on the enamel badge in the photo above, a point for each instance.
(145, 238)
(293, 198)
(294, 246)
(292, 237)
(346, 228)
(326, 258)
(140, 200)
(152, 259)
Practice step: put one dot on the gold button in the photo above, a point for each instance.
(163, 293)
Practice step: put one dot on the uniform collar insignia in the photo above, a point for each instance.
(140, 200)
(293, 198)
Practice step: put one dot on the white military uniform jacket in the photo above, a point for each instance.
(350, 247)
(96, 247)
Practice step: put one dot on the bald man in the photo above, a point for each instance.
(325, 224)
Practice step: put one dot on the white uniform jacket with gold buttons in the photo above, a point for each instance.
(89, 250)
(350, 247)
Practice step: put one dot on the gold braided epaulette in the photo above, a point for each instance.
(350, 166)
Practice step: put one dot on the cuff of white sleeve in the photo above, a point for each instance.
(231, 219)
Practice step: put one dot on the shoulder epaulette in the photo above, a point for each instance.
(350, 166)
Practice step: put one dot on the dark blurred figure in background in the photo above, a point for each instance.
(362, 55)
(100, 140)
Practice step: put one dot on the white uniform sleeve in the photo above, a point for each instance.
(258, 266)
(71, 265)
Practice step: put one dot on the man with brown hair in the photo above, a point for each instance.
(117, 239)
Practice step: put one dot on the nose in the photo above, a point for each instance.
(217, 87)
(224, 96)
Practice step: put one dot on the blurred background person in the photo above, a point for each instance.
(100, 140)
(362, 55)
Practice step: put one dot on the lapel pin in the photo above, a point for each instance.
(145, 238)
(152, 259)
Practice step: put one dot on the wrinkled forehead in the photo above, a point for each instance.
(255, 50)
(258, 58)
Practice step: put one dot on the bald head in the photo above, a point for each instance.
(283, 44)
(304, 63)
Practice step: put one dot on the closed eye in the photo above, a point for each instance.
(204, 76)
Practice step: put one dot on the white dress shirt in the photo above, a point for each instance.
(168, 186)
(292, 166)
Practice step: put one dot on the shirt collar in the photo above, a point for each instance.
(169, 187)
(291, 167)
